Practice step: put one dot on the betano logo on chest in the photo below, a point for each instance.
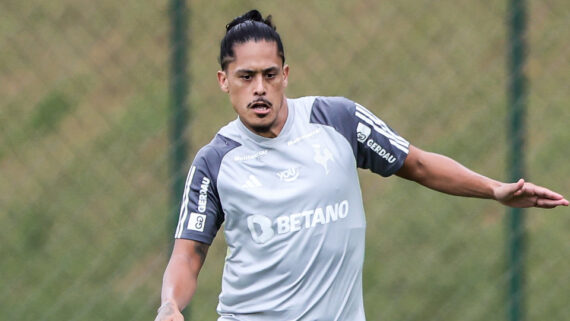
(262, 228)
(310, 218)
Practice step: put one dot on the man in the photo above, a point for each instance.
(283, 178)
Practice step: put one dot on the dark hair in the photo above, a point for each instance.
(249, 26)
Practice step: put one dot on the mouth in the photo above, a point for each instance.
(260, 106)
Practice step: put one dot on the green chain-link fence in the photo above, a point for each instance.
(85, 210)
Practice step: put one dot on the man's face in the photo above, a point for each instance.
(255, 81)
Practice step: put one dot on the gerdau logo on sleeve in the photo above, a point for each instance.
(381, 151)
(203, 197)
(197, 221)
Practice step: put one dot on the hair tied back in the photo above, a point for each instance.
(252, 15)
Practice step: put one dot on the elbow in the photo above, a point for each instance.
(419, 171)
(414, 168)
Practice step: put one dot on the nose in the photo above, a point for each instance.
(259, 86)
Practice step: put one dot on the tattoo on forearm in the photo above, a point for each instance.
(201, 249)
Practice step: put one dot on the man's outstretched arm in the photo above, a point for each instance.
(444, 174)
(180, 278)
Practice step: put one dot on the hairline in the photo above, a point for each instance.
(229, 59)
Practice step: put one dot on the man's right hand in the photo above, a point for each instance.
(169, 312)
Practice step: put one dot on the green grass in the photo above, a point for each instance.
(84, 171)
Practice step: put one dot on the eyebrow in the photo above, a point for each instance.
(251, 71)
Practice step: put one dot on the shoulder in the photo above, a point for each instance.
(337, 112)
(211, 155)
(323, 103)
(327, 109)
(323, 109)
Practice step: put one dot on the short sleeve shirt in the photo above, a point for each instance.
(292, 209)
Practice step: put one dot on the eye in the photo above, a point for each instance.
(271, 75)
(245, 77)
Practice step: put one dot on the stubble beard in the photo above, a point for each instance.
(261, 128)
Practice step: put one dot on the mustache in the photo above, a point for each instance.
(260, 100)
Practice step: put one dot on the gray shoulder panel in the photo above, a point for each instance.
(375, 145)
(201, 213)
(337, 112)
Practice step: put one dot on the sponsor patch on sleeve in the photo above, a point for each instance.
(362, 132)
(197, 222)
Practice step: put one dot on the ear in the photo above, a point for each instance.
(223, 81)
(285, 75)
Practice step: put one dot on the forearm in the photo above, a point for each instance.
(179, 283)
(446, 175)
(181, 276)
(443, 174)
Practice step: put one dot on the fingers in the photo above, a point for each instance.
(518, 188)
(531, 189)
(546, 193)
(545, 198)
(548, 203)
(524, 194)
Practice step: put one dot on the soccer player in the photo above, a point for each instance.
(283, 178)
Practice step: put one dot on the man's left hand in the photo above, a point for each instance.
(524, 194)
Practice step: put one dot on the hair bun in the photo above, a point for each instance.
(252, 15)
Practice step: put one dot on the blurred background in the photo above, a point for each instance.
(88, 180)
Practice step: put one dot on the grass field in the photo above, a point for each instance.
(84, 172)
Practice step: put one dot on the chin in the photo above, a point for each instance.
(261, 128)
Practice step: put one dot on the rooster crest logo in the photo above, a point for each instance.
(322, 156)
